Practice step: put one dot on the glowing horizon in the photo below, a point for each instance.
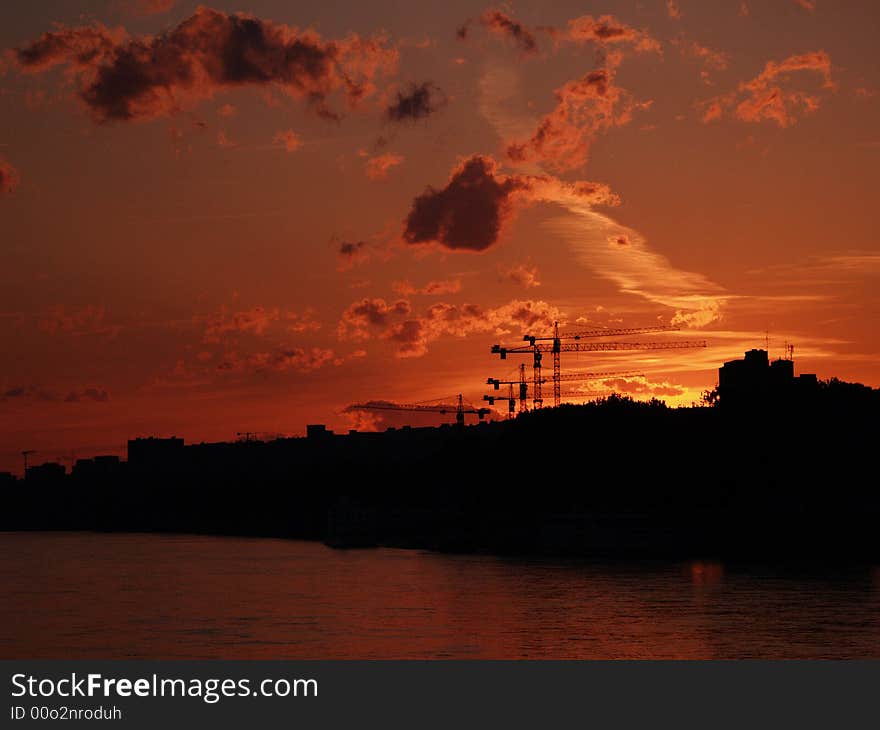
(214, 221)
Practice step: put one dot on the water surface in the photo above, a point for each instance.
(80, 595)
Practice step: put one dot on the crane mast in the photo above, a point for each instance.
(536, 347)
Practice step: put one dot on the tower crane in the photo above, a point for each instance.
(496, 383)
(523, 391)
(25, 454)
(556, 340)
(536, 348)
(459, 409)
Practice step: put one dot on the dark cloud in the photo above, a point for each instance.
(350, 248)
(9, 178)
(98, 395)
(124, 78)
(350, 253)
(413, 335)
(418, 101)
(411, 332)
(280, 359)
(503, 24)
(38, 393)
(80, 48)
(357, 320)
(468, 213)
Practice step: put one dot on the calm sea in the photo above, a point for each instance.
(77, 595)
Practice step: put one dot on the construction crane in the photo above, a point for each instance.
(511, 401)
(496, 383)
(522, 387)
(557, 346)
(25, 454)
(556, 340)
(460, 410)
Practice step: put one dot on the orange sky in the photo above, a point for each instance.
(213, 222)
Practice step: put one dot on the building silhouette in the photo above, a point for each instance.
(755, 381)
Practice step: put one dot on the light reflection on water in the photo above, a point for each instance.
(79, 595)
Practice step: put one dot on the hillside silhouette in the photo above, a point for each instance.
(786, 471)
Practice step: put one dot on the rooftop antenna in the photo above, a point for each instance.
(767, 342)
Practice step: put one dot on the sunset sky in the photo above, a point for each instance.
(245, 217)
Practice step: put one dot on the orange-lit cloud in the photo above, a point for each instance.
(767, 97)
(809, 5)
(469, 212)
(711, 59)
(9, 178)
(607, 30)
(585, 107)
(288, 140)
(411, 336)
(255, 321)
(89, 319)
(377, 167)
(432, 288)
(522, 275)
(122, 78)
(636, 386)
(361, 316)
(615, 252)
(672, 9)
(416, 102)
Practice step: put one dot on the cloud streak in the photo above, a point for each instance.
(636, 269)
